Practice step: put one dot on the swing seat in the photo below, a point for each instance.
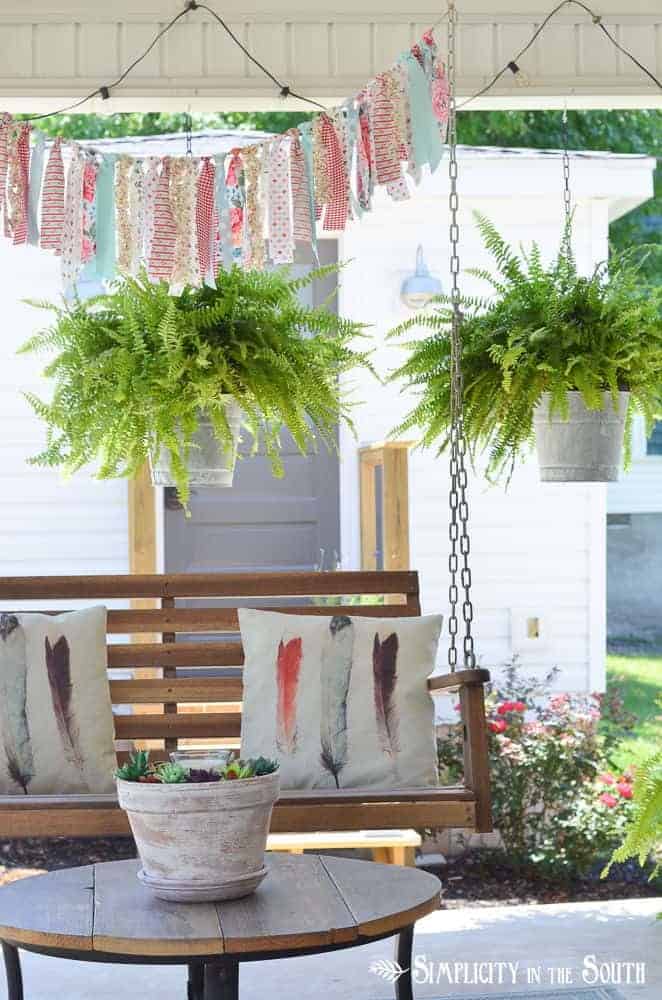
(175, 659)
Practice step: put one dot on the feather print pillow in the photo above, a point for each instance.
(341, 702)
(56, 723)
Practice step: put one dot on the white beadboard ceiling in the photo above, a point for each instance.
(53, 52)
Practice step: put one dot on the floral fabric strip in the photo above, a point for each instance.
(72, 234)
(5, 125)
(19, 170)
(34, 192)
(123, 214)
(235, 186)
(183, 194)
(385, 131)
(137, 215)
(150, 187)
(225, 247)
(281, 240)
(162, 249)
(89, 219)
(52, 201)
(301, 214)
(254, 250)
(204, 220)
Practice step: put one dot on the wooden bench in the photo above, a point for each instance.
(390, 847)
(186, 640)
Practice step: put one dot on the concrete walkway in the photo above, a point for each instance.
(539, 938)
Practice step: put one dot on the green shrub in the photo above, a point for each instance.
(556, 805)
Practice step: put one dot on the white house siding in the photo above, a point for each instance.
(537, 551)
(55, 51)
(47, 526)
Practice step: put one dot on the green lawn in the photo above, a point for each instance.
(639, 678)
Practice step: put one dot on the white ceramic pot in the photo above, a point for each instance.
(587, 447)
(201, 841)
(208, 463)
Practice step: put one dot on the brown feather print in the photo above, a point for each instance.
(59, 678)
(385, 676)
(13, 703)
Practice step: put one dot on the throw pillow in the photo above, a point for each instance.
(56, 722)
(341, 702)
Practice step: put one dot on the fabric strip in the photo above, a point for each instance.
(105, 218)
(52, 202)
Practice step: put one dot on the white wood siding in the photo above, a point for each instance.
(47, 526)
(53, 51)
(639, 490)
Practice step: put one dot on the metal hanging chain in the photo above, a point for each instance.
(567, 200)
(458, 530)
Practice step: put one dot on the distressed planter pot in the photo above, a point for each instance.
(587, 447)
(201, 841)
(208, 463)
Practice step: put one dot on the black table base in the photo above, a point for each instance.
(209, 978)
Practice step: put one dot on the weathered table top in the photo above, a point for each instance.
(306, 902)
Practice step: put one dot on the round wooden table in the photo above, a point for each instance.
(307, 904)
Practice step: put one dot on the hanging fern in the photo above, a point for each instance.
(546, 329)
(134, 370)
(644, 836)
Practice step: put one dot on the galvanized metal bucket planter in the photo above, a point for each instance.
(587, 447)
(209, 464)
(201, 842)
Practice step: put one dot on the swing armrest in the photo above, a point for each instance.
(470, 685)
(449, 683)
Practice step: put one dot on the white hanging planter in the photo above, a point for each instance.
(208, 463)
(585, 448)
(201, 841)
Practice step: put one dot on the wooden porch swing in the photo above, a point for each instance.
(208, 672)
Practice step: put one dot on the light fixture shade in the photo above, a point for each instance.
(421, 287)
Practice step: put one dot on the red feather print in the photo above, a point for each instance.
(288, 668)
(385, 675)
(59, 679)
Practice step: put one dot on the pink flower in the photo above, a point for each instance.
(509, 748)
(497, 725)
(519, 706)
(608, 800)
(624, 789)
(559, 702)
(607, 778)
(505, 706)
(457, 707)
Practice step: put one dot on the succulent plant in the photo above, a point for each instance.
(197, 775)
(137, 767)
(172, 774)
(262, 765)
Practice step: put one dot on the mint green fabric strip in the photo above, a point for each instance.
(34, 191)
(426, 139)
(105, 218)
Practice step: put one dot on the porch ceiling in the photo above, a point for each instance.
(53, 51)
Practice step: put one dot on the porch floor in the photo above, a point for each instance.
(546, 936)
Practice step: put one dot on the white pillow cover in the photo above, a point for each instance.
(339, 701)
(56, 722)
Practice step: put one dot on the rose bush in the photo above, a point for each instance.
(557, 804)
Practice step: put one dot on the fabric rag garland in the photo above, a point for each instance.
(181, 218)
